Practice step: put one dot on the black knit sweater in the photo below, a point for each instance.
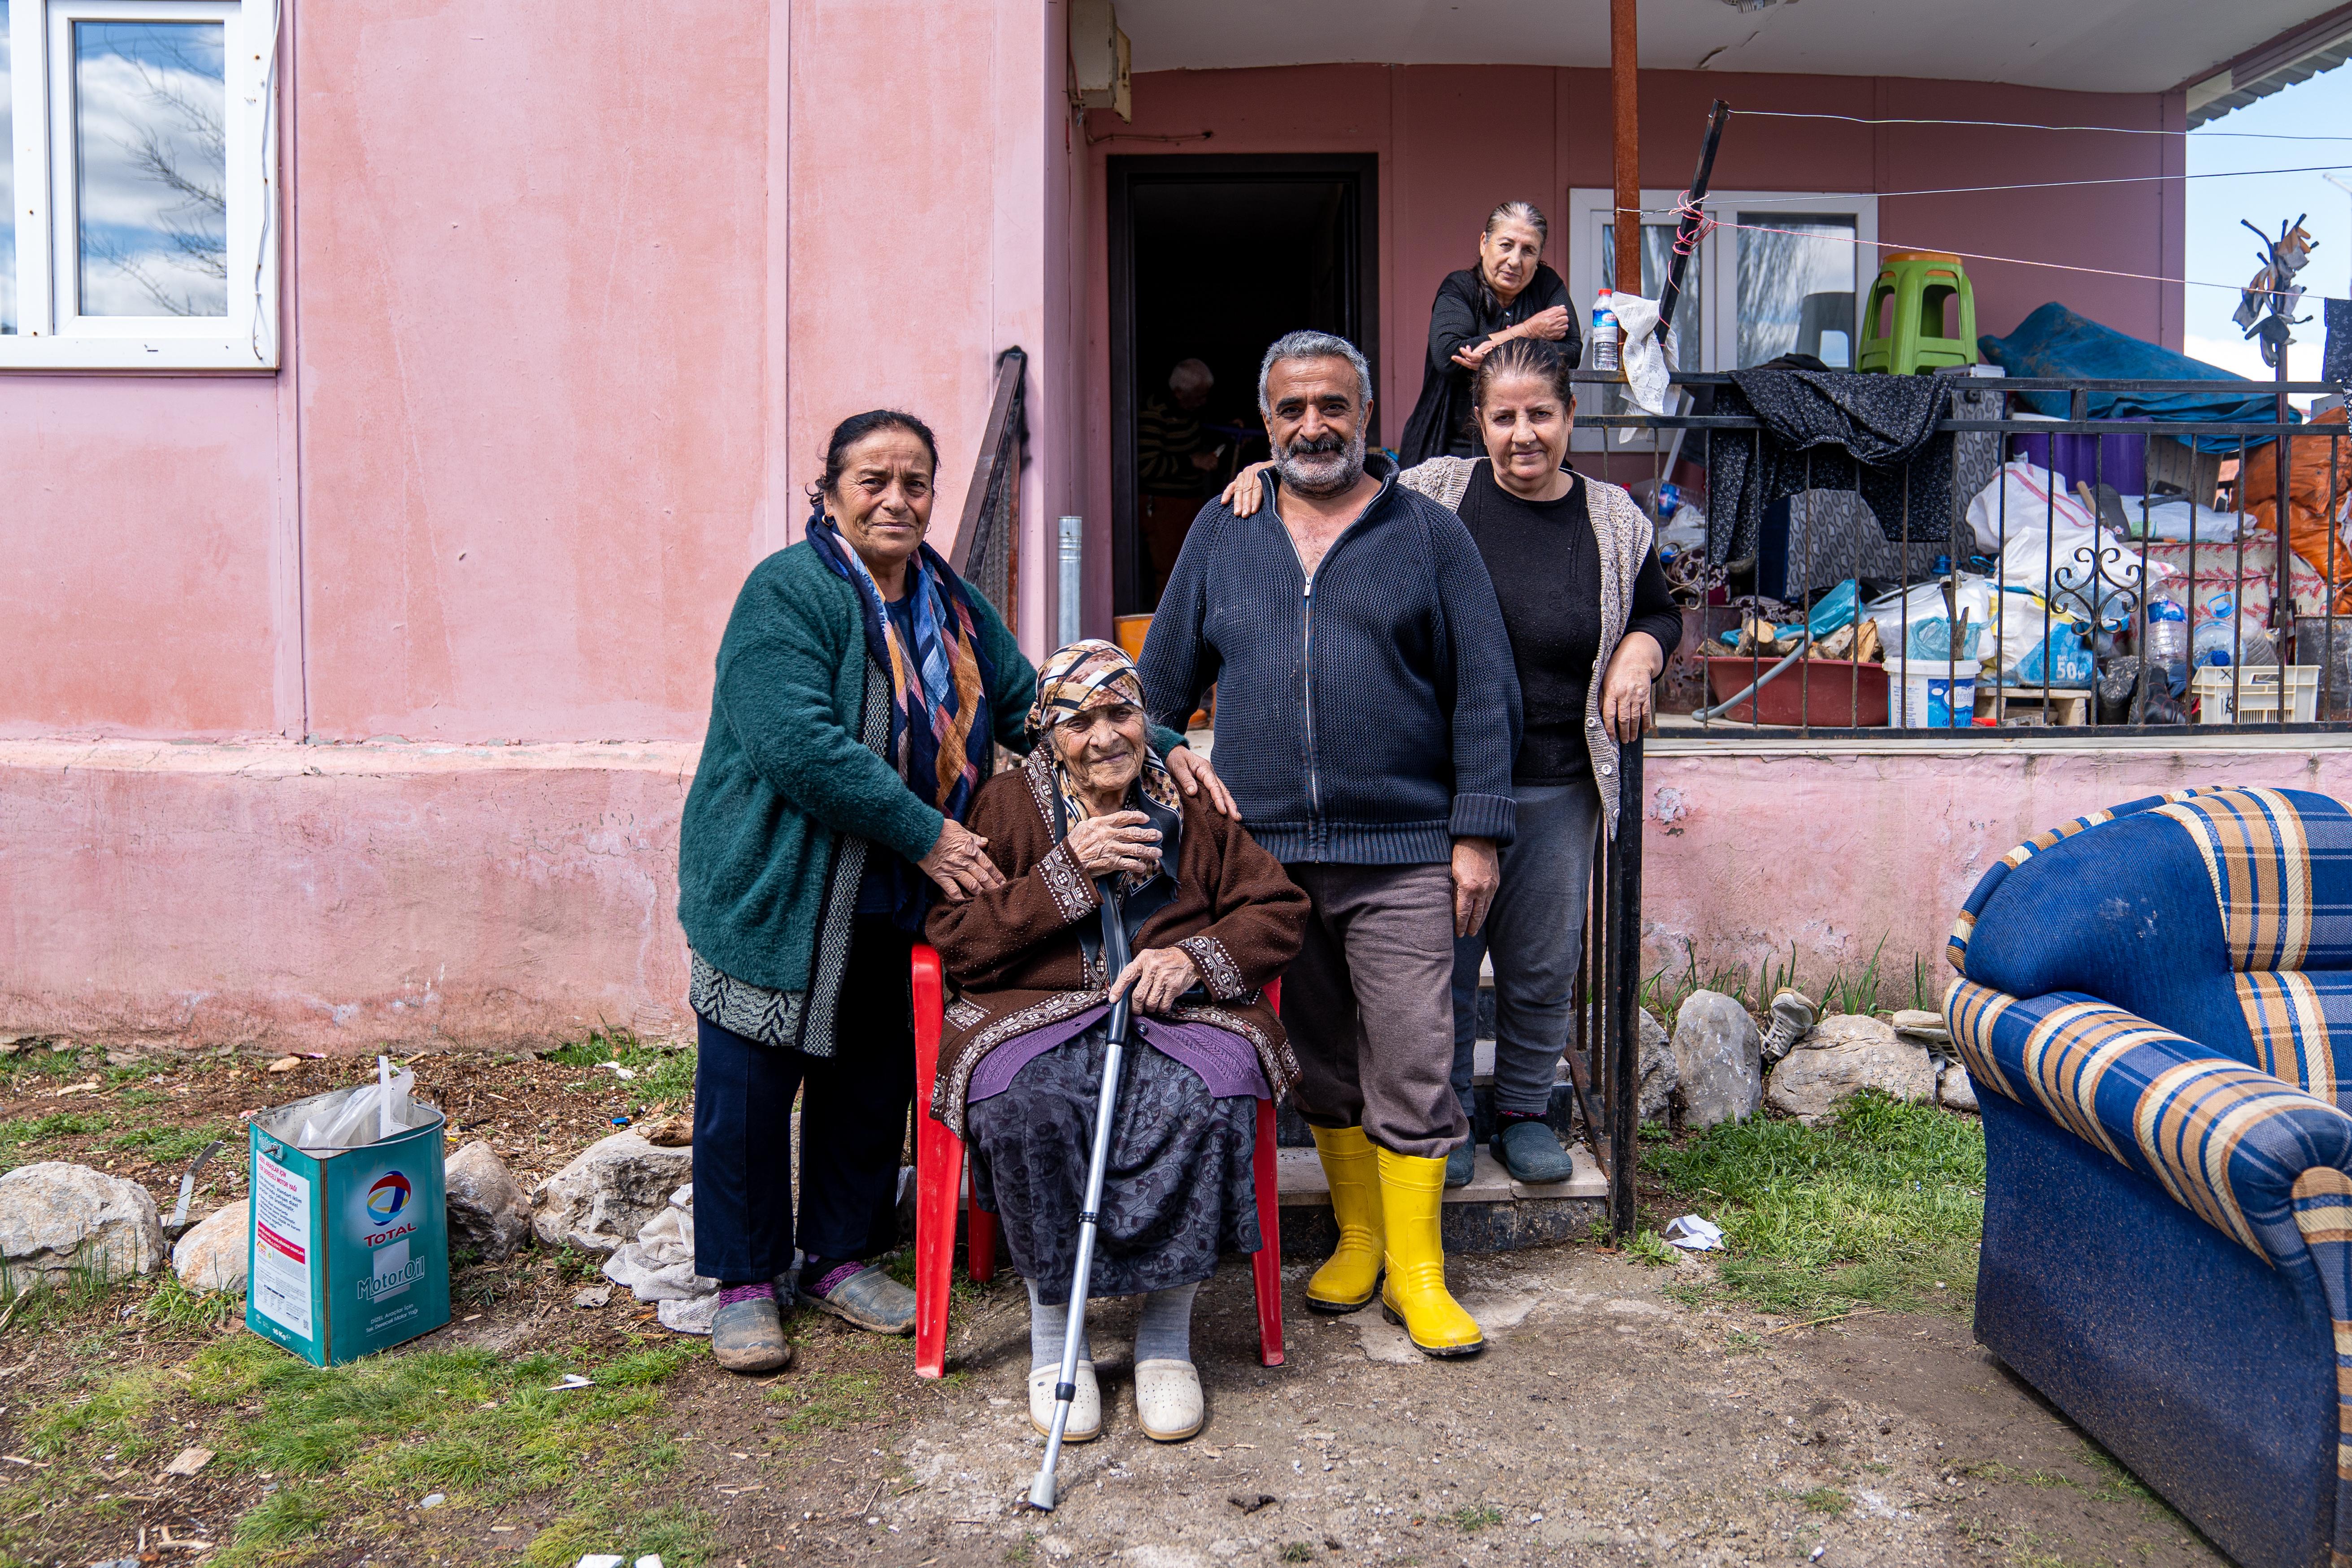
(1367, 718)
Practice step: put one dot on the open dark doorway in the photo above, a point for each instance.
(1211, 259)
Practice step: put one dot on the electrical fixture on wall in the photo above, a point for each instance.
(1099, 57)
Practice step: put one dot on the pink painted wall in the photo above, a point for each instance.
(1455, 140)
(1745, 853)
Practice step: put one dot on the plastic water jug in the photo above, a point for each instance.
(2168, 643)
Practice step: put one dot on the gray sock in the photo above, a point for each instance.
(1047, 1327)
(1165, 1331)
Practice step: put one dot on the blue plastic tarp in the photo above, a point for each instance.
(2055, 342)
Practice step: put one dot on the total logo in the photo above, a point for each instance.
(387, 1197)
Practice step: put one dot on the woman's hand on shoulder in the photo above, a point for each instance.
(1193, 774)
(1246, 493)
(959, 863)
(1157, 977)
(1109, 845)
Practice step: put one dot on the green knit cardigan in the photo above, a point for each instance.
(793, 786)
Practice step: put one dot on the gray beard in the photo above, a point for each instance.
(1322, 474)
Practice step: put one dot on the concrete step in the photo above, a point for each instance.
(1493, 1214)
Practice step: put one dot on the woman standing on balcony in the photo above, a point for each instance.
(861, 689)
(1576, 572)
(1509, 295)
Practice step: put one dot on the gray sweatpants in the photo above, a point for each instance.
(1536, 932)
(1366, 1004)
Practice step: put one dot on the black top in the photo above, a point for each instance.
(1458, 319)
(1546, 565)
(877, 892)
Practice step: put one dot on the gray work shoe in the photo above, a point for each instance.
(1462, 1163)
(871, 1300)
(1793, 1017)
(749, 1336)
(1530, 1151)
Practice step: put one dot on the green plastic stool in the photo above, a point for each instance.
(1919, 282)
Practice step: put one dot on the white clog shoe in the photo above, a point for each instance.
(1085, 1410)
(1168, 1403)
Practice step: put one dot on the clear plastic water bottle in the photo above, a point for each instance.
(2167, 646)
(2217, 643)
(1604, 333)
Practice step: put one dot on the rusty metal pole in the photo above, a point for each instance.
(1625, 119)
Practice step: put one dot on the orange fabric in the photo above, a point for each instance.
(2310, 502)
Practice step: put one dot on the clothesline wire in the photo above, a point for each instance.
(2112, 180)
(2026, 125)
(1972, 255)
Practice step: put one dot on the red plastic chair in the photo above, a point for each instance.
(938, 1189)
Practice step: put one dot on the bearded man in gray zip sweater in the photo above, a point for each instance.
(1367, 718)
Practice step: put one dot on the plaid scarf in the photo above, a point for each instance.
(941, 740)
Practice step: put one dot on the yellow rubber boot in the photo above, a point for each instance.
(1411, 1192)
(1353, 1273)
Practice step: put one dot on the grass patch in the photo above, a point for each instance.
(1828, 1500)
(168, 1145)
(348, 1445)
(826, 1400)
(1875, 1205)
(1862, 990)
(663, 1076)
(1648, 1247)
(29, 1132)
(1471, 1518)
(174, 1306)
(1297, 1551)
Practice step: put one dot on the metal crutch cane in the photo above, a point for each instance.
(1066, 1388)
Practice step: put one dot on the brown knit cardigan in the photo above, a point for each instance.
(1015, 954)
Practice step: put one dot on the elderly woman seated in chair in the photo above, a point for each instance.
(1211, 918)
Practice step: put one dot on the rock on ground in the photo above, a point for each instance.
(600, 1201)
(1845, 1054)
(212, 1255)
(1956, 1090)
(56, 1217)
(1658, 1075)
(1718, 1059)
(488, 1211)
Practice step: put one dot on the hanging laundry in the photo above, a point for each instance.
(1828, 429)
(2335, 361)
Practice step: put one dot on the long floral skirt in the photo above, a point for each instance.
(1178, 1192)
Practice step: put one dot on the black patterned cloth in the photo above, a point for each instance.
(1828, 430)
(2335, 361)
(1179, 1190)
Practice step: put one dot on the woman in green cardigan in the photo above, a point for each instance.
(862, 690)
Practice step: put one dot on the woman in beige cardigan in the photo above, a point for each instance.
(1576, 572)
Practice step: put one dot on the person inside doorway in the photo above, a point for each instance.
(1367, 701)
(1509, 294)
(1176, 459)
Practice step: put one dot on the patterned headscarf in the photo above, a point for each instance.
(1092, 674)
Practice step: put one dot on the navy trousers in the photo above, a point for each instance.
(852, 1126)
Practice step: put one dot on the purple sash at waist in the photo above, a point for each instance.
(1221, 1060)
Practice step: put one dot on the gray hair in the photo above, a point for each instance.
(1191, 376)
(1312, 345)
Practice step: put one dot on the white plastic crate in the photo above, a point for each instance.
(2256, 689)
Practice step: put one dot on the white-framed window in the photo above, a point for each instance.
(1748, 296)
(140, 227)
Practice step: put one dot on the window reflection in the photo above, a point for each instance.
(1657, 252)
(151, 160)
(1781, 273)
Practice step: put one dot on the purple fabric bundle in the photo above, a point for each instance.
(1224, 1062)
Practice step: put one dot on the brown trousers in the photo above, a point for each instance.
(1368, 1005)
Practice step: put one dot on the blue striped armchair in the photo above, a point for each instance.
(2155, 1005)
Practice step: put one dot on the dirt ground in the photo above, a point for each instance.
(1610, 1420)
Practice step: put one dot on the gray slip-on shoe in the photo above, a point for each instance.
(872, 1300)
(749, 1336)
(1530, 1151)
(1462, 1163)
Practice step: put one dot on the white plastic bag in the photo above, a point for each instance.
(1646, 361)
(1915, 610)
(2038, 648)
(2021, 497)
(352, 1118)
